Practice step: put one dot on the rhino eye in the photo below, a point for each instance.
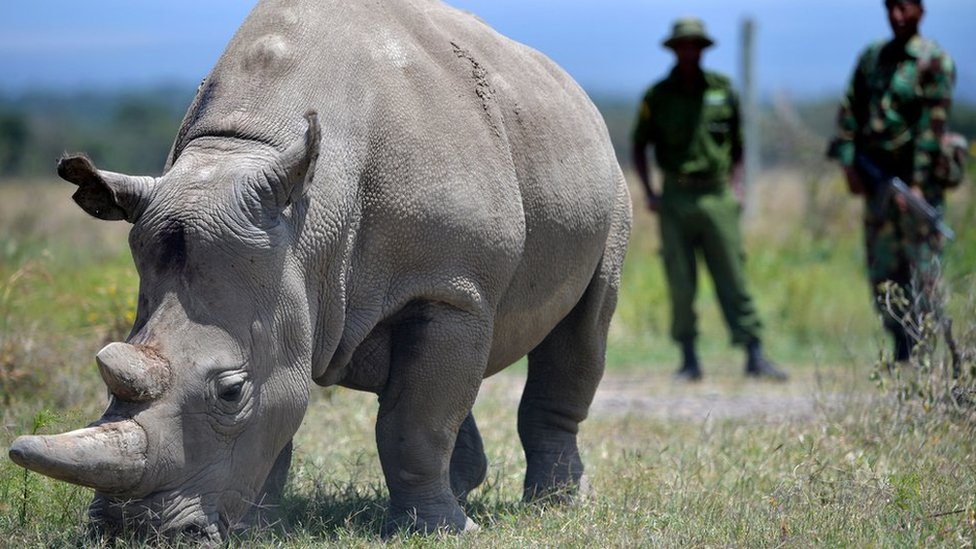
(231, 388)
(232, 400)
(232, 393)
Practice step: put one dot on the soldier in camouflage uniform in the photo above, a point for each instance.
(691, 118)
(894, 113)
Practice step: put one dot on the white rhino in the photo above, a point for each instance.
(454, 205)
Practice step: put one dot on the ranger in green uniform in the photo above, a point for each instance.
(894, 114)
(691, 118)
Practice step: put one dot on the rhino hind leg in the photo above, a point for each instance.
(422, 411)
(563, 374)
(469, 465)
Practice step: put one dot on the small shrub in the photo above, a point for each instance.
(939, 379)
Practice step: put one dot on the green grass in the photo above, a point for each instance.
(882, 462)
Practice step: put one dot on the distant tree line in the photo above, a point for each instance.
(121, 131)
(132, 131)
(780, 122)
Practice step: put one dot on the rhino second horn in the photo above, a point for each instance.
(135, 374)
(110, 457)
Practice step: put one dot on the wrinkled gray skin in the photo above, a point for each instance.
(454, 205)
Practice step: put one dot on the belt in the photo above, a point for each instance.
(695, 181)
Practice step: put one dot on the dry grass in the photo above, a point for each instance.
(829, 459)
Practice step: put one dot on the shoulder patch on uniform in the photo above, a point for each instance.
(715, 98)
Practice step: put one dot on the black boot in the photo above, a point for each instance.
(690, 367)
(903, 346)
(758, 366)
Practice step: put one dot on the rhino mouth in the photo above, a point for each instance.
(159, 516)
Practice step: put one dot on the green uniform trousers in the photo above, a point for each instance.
(705, 221)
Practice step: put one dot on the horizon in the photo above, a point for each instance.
(612, 49)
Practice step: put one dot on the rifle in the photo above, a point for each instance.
(893, 186)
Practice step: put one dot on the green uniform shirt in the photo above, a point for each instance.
(695, 132)
(896, 107)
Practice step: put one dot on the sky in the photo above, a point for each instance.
(612, 47)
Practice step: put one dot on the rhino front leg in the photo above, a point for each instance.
(265, 512)
(469, 465)
(437, 359)
(564, 371)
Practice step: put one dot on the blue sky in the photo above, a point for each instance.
(610, 46)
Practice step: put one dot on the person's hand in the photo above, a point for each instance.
(738, 184)
(854, 183)
(653, 202)
(903, 204)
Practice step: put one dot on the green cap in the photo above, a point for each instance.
(688, 28)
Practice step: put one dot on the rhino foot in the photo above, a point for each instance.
(412, 521)
(553, 477)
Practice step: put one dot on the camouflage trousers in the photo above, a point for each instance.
(904, 263)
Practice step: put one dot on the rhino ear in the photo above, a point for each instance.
(105, 195)
(295, 168)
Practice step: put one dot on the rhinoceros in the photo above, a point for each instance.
(388, 196)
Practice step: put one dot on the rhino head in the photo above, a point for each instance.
(213, 380)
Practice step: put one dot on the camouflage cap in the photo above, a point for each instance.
(688, 28)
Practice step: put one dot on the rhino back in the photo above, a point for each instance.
(438, 135)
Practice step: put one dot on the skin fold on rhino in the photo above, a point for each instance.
(449, 204)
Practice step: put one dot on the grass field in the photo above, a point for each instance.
(837, 457)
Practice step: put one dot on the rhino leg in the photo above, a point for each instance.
(265, 512)
(437, 357)
(469, 465)
(563, 374)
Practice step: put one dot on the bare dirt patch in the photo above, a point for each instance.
(658, 396)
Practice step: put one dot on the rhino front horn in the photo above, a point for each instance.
(134, 374)
(110, 457)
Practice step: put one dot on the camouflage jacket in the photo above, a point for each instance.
(896, 107)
